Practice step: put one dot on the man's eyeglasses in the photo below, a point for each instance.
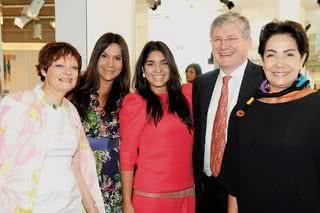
(229, 40)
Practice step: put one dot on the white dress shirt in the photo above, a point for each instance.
(234, 89)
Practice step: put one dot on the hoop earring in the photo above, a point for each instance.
(265, 87)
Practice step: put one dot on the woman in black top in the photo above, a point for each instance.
(272, 160)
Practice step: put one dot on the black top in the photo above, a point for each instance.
(272, 160)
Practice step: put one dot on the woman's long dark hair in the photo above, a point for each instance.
(177, 102)
(90, 82)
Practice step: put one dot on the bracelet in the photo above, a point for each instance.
(94, 206)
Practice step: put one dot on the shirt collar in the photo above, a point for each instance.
(237, 73)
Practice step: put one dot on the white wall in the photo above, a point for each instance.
(71, 25)
(184, 26)
(116, 16)
(82, 22)
(141, 26)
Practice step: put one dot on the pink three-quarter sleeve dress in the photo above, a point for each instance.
(160, 155)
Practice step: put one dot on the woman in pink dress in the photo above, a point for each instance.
(156, 134)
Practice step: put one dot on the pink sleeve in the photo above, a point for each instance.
(132, 120)
(187, 92)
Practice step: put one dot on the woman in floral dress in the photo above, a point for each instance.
(98, 98)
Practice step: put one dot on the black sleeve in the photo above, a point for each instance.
(197, 173)
(313, 142)
(231, 165)
(196, 119)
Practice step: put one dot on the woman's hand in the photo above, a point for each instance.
(127, 182)
(92, 210)
(87, 199)
(127, 207)
(232, 204)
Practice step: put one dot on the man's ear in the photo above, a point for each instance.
(250, 42)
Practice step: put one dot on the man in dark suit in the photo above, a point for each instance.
(231, 41)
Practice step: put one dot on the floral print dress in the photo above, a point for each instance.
(102, 130)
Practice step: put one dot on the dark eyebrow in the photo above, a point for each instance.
(114, 55)
(274, 51)
(154, 61)
(288, 50)
(271, 50)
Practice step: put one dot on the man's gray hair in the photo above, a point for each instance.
(232, 17)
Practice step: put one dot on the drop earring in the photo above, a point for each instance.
(144, 80)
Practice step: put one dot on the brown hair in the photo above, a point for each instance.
(54, 51)
(291, 28)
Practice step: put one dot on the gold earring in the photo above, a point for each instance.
(144, 80)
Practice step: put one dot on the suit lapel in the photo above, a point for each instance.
(207, 92)
(253, 76)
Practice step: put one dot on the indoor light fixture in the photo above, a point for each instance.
(28, 13)
(21, 21)
(229, 4)
(52, 24)
(153, 4)
(37, 30)
(307, 27)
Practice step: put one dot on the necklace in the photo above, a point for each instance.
(54, 106)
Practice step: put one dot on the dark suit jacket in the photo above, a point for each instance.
(203, 87)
